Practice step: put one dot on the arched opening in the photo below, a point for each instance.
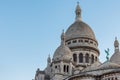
(55, 67)
(112, 78)
(87, 58)
(80, 57)
(67, 68)
(75, 57)
(95, 58)
(74, 41)
(116, 79)
(92, 58)
(64, 68)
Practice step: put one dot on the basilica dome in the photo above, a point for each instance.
(62, 52)
(79, 29)
(79, 35)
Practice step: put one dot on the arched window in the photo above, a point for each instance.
(116, 79)
(69, 43)
(64, 69)
(92, 59)
(95, 58)
(112, 78)
(67, 68)
(75, 57)
(55, 67)
(87, 58)
(74, 41)
(80, 40)
(80, 57)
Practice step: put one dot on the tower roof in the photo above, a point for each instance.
(116, 56)
(62, 52)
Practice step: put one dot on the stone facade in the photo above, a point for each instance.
(77, 58)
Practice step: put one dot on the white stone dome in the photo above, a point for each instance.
(92, 67)
(62, 53)
(79, 29)
(115, 58)
(80, 35)
(108, 65)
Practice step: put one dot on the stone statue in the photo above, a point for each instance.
(107, 52)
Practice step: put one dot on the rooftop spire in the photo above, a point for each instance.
(78, 12)
(37, 70)
(49, 59)
(63, 38)
(116, 45)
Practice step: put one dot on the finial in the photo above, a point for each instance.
(49, 55)
(37, 70)
(49, 59)
(63, 31)
(116, 45)
(115, 38)
(78, 12)
(63, 37)
(78, 3)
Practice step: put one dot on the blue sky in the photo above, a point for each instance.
(30, 30)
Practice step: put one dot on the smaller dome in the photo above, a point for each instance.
(92, 67)
(108, 65)
(115, 58)
(62, 52)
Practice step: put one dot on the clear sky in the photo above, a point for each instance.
(30, 30)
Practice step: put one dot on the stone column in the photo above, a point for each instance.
(83, 58)
(77, 58)
(61, 66)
